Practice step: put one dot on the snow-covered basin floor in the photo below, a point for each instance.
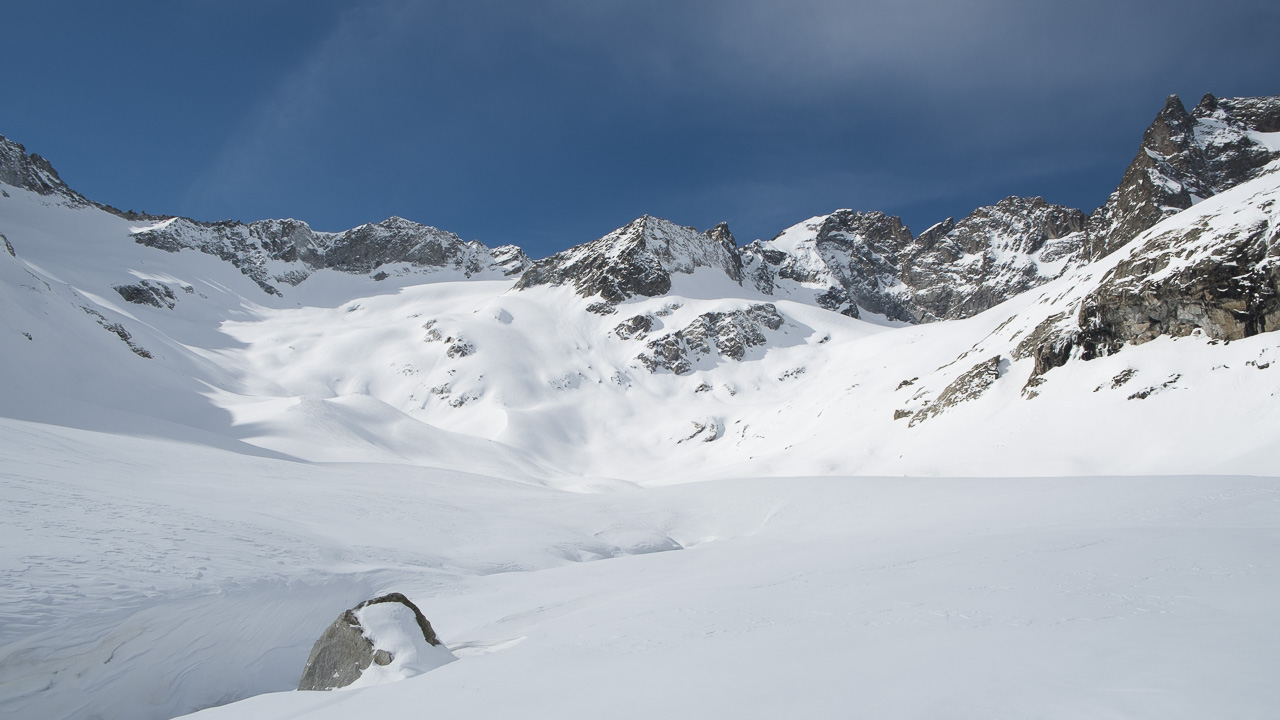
(146, 578)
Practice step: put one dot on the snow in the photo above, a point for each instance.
(1139, 597)
(1269, 140)
(799, 239)
(393, 627)
(179, 530)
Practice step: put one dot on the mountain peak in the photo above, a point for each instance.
(1185, 158)
(29, 171)
(637, 259)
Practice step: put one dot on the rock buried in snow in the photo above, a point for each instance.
(378, 641)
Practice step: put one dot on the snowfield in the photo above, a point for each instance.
(154, 578)
(710, 503)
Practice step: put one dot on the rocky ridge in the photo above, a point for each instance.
(29, 171)
(847, 262)
(274, 252)
(951, 270)
(854, 262)
(637, 259)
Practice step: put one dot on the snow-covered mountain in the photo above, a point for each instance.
(606, 359)
(1026, 339)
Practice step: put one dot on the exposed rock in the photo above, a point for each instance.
(959, 270)
(854, 257)
(727, 334)
(1120, 379)
(636, 327)
(119, 331)
(510, 259)
(345, 650)
(33, 172)
(1145, 393)
(146, 292)
(637, 259)
(973, 383)
(30, 172)
(289, 251)
(460, 348)
(1167, 288)
(1218, 271)
(8, 246)
(951, 270)
(1185, 158)
(708, 430)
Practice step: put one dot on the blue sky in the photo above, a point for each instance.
(550, 123)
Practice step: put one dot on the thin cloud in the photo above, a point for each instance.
(271, 130)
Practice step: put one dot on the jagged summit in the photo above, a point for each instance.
(637, 259)
(1185, 158)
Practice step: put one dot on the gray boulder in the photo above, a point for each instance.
(345, 650)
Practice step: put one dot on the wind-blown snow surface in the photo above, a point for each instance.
(191, 493)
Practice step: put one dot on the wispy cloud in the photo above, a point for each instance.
(270, 130)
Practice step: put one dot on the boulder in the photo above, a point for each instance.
(378, 641)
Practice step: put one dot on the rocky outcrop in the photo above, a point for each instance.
(1216, 270)
(1185, 158)
(973, 383)
(959, 269)
(872, 262)
(346, 650)
(30, 171)
(637, 259)
(146, 292)
(725, 334)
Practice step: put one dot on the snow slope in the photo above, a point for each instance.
(145, 578)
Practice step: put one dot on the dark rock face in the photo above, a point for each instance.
(952, 270)
(343, 652)
(146, 292)
(727, 334)
(637, 326)
(637, 259)
(1184, 158)
(1219, 274)
(957, 270)
(855, 255)
(1232, 294)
